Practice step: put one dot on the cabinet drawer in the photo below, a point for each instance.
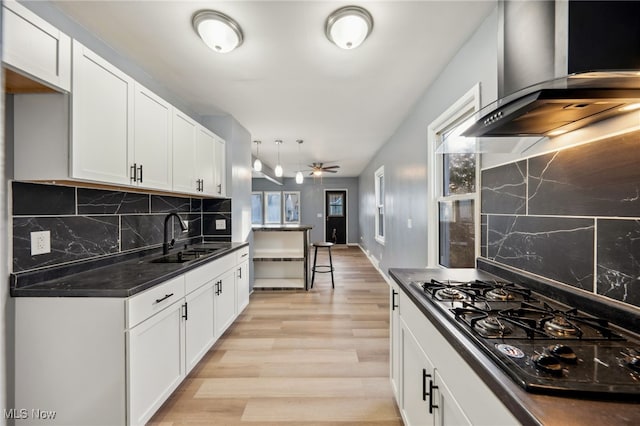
(154, 300)
(242, 255)
(205, 273)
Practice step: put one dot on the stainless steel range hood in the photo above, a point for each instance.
(560, 105)
(556, 45)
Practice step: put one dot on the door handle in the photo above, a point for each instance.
(140, 168)
(166, 296)
(134, 173)
(185, 315)
(393, 300)
(424, 387)
(432, 387)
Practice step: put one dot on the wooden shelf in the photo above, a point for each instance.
(266, 283)
(280, 258)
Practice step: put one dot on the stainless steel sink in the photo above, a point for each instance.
(187, 255)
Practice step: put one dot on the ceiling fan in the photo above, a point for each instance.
(317, 169)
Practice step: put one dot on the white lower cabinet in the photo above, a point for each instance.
(435, 385)
(242, 285)
(199, 333)
(111, 361)
(394, 339)
(225, 301)
(155, 362)
(416, 403)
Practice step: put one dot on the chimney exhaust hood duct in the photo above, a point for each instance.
(562, 65)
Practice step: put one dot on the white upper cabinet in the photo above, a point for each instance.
(152, 161)
(102, 119)
(219, 168)
(184, 150)
(113, 131)
(195, 150)
(34, 47)
(205, 155)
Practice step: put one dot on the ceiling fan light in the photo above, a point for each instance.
(257, 165)
(299, 177)
(317, 172)
(349, 26)
(279, 170)
(218, 31)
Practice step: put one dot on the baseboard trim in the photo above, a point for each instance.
(376, 264)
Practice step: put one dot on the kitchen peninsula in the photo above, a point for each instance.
(280, 256)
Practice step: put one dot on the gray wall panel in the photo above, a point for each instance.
(404, 156)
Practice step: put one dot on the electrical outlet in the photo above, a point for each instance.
(40, 242)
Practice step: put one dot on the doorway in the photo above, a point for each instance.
(335, 206)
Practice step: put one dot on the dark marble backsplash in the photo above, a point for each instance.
(86, 223)
(572, 216)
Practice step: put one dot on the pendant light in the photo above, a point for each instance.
(348, 26)
(299, 177)
(257, 165)
(218, 31)
(278, 168)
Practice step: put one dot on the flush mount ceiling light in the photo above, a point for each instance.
(257, 165)
(278, 168)
(299, 177)
(218, 31)
(348, 26)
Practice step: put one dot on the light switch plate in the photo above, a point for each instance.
(221, 224)
(40, 242)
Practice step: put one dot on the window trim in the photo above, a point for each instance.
(379, 237)
(468, 104)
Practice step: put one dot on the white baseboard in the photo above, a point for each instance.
(376, 264)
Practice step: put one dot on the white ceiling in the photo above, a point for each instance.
(287, 81)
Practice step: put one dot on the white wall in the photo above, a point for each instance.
(404, 156)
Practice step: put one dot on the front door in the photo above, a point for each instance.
(336, 214)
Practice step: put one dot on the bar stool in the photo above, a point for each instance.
(322, 269)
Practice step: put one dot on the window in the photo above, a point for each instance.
(453, 211)
(379, 189)
(273, 207)
(336, 205)
(256, 208)
(291, 209)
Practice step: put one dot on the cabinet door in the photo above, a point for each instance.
(151, 165)
(395, 339)
(35, 47)
(225, 301)
(155, 362)
(199, 333)
(448, 411)
(242, 286)
(220, 168)
(102, 125)
(184, 149)
(417, 374)
(205, 155)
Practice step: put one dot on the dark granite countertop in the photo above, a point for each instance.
(528, 408)
(282, 227)
(123, 276)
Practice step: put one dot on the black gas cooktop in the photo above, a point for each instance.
(543, 345)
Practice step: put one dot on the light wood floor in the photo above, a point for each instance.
(299, 358)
